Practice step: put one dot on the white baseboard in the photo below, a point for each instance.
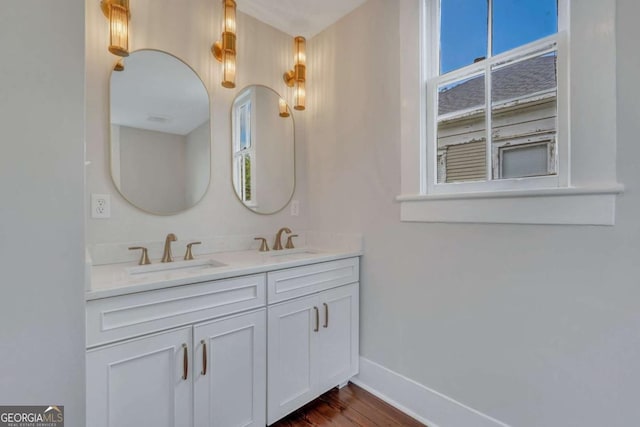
(422, 403)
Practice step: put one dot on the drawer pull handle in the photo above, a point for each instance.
(317, 328)
(185, 362)
(204, 357)
(326, 315)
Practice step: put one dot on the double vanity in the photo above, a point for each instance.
(227, 339)
(231, 338)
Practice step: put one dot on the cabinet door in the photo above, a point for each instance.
(231, 391)
(141, 382)
(339, 349)
(292, 352)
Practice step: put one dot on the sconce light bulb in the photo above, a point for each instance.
(300, 97)
(229, 16)
(118, 14)
(284, 109)
(229, 70)
(300, 56)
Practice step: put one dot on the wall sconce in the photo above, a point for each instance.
(284, 109)
(298, 75)
(225, 50)
(119, 66)
(118, 14)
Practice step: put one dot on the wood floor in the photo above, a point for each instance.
(349, 406)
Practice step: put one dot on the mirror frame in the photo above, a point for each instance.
(293, 121)
(113, 181)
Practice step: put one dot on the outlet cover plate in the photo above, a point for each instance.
(100, 206)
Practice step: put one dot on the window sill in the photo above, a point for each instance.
(561, 206)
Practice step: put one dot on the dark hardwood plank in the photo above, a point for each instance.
(349, 406)
(385, 407)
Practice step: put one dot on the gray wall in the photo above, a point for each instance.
(274, 166)
(533, 325)
(198, 163)
(42, 208)
(153, 169)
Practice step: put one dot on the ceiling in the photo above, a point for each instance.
(298, 17)
(157, 91)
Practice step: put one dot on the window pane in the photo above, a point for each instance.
(245, 126)
(463, 33)
(518, 22)
(462, 131)
(246, 178)
(524, 108)
(528, 160)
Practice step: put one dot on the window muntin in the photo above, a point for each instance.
(522, 85)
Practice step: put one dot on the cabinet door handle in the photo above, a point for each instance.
(185, 362)
(204, 357)
(326, 315)
(317, 328)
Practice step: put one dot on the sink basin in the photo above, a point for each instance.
(288, 254)
(196, 264)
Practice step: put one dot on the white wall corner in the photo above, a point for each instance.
(418, 401)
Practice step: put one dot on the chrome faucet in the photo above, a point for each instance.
(166, 257)
(278, 243)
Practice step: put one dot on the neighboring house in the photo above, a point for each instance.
(523, 118)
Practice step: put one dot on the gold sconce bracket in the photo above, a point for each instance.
(227, 44)
(289, 78)
(216, 50)
(298, 74)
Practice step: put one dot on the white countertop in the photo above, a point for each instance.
(114, 279)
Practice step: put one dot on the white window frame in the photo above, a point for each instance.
(237, 153)
(585, 188)
(553, 43)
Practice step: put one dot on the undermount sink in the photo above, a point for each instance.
(292, 253)
(175, 265)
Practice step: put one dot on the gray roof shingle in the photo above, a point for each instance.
(513, 81)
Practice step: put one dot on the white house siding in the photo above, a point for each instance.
(462, 140)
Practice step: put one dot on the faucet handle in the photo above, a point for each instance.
(144, 257)
(264, 247)
(289, 244)
(188, 256)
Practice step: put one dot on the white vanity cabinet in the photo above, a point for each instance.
(238, 351)
(230, 382)
(313, 339)
(140, 382)
(209, 373)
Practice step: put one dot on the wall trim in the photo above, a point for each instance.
(418, 401)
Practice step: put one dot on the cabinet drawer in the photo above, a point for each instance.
(117, 318)
(294, 282)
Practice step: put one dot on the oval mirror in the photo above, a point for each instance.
(262, 149)
(160, 133)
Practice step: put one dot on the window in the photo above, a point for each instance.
(491, 129)
(244, 149)
(494, 85)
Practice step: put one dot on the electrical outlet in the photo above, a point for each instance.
(295, 207)
(100, 206)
